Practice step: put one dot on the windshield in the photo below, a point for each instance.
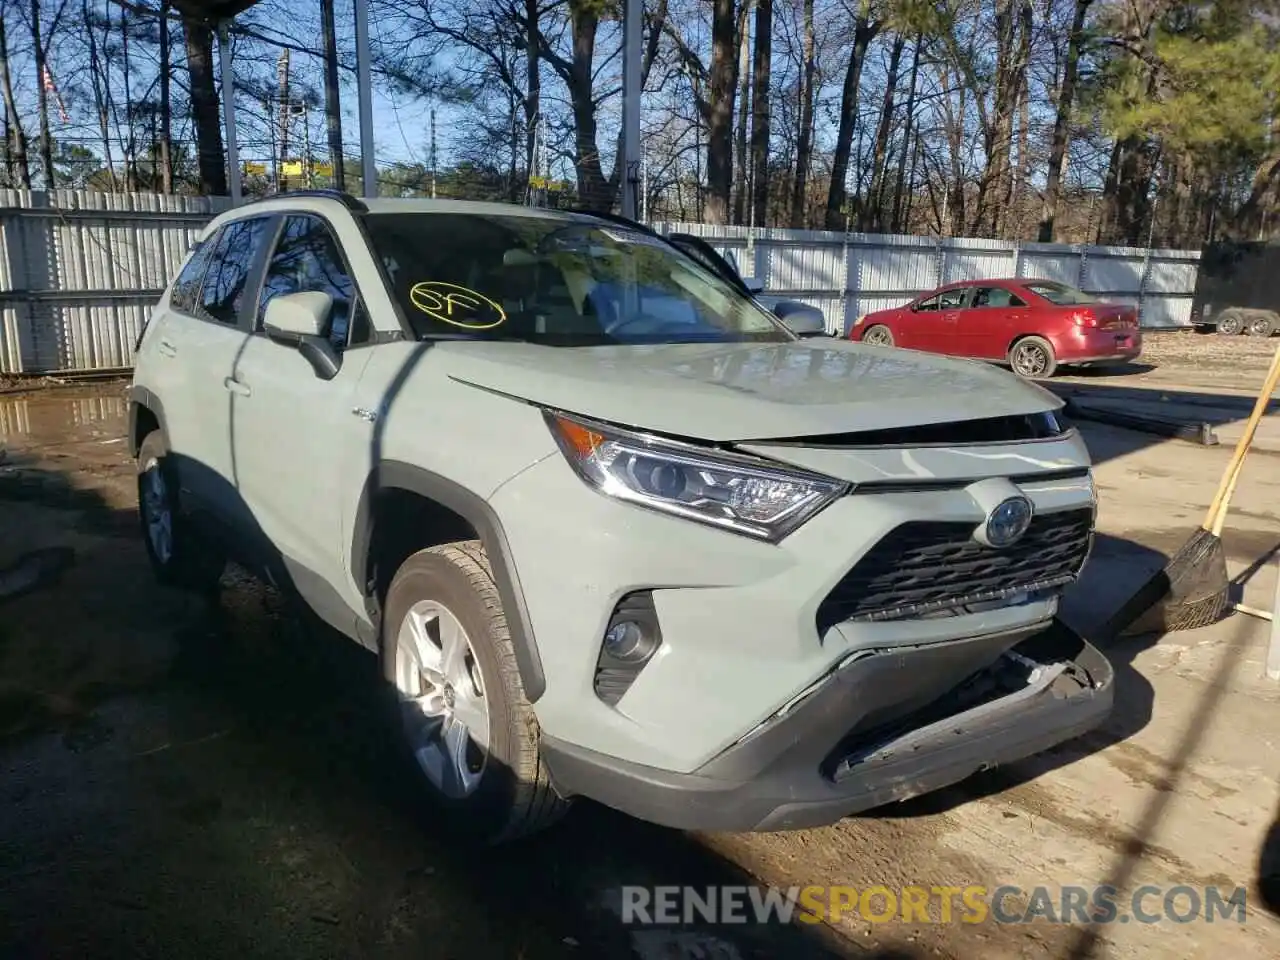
(1059, 293)
(555, 281)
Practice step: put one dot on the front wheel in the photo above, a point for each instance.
(1033, 358)
(879, 334)
(178, 556)
(459, 701)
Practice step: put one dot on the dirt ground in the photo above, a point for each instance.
(186, 780)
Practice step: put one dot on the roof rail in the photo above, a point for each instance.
(348, 200)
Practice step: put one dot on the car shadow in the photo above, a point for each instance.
(1104, 371)
(248, 798)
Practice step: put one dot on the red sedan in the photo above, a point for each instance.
(1032, 325)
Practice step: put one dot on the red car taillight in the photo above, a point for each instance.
(1084, 318)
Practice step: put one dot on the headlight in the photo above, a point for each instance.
(735, 493)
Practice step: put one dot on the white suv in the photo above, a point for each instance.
(611, 527)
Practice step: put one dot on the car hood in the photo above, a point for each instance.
(728, 392)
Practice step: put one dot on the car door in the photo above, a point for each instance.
(987, 323)
(929, 324)
(296, 443)
(951, 307)
(204, 340)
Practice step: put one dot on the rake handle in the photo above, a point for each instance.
(1217, 514)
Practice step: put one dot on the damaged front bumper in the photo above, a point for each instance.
(884, 726)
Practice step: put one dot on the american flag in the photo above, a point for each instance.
(51, 87)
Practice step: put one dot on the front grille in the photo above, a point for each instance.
(926, 566)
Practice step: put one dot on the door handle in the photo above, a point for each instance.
(167, 349)
(237, 387)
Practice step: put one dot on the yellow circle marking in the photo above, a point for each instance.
(455, 305)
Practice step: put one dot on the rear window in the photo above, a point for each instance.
(1059, 293)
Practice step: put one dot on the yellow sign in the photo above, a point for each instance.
(455, 305)
(255, 169)
(539, 183)
(324, 169)
(291, 168)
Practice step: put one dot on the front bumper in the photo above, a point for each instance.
(743, 622)
(885, 726)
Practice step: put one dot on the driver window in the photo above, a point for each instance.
(952, 299)
(307, 258)
(930, 304)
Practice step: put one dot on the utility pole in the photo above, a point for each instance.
(282, 81)
(332, 100)
(433, 153)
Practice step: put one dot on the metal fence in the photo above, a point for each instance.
(847, 275)
(79, 271)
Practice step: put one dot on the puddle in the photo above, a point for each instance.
(63, 417)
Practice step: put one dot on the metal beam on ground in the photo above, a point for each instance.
(364, 90)
(632, 45)
(229, 111)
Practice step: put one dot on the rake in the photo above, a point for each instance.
(1192, 589)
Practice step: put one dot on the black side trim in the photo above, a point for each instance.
(142, 397)
(395, 474)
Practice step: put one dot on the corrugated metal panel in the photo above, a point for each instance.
(976, 264)
(907, 269)
(1115, 274)
(1063, 267)
(801, 267)
(53, 243)
(1163, 311)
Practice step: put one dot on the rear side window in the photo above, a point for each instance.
(230, 263)
(995, 297)
(186, 289)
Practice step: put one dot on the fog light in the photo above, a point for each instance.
(629, 642)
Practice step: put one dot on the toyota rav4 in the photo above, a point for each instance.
(613, 530)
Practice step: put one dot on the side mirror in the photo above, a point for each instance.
(301, 319)
(801, 319)
(754, 285)
(293, 316)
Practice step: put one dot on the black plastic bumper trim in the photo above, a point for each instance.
(774, 780)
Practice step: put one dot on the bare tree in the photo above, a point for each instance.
(16, 136)
(761, 68)
(1061, 123)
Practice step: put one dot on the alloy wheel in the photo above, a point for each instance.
(443, 706)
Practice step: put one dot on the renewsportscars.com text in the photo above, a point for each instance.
(973, 904)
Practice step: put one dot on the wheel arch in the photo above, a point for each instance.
(146, 413)
(396, 492)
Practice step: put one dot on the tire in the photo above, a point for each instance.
(1261, 323)
(178, 556)
(1032, 358)
(1230, 323)
(501, 790)
(880, 335)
